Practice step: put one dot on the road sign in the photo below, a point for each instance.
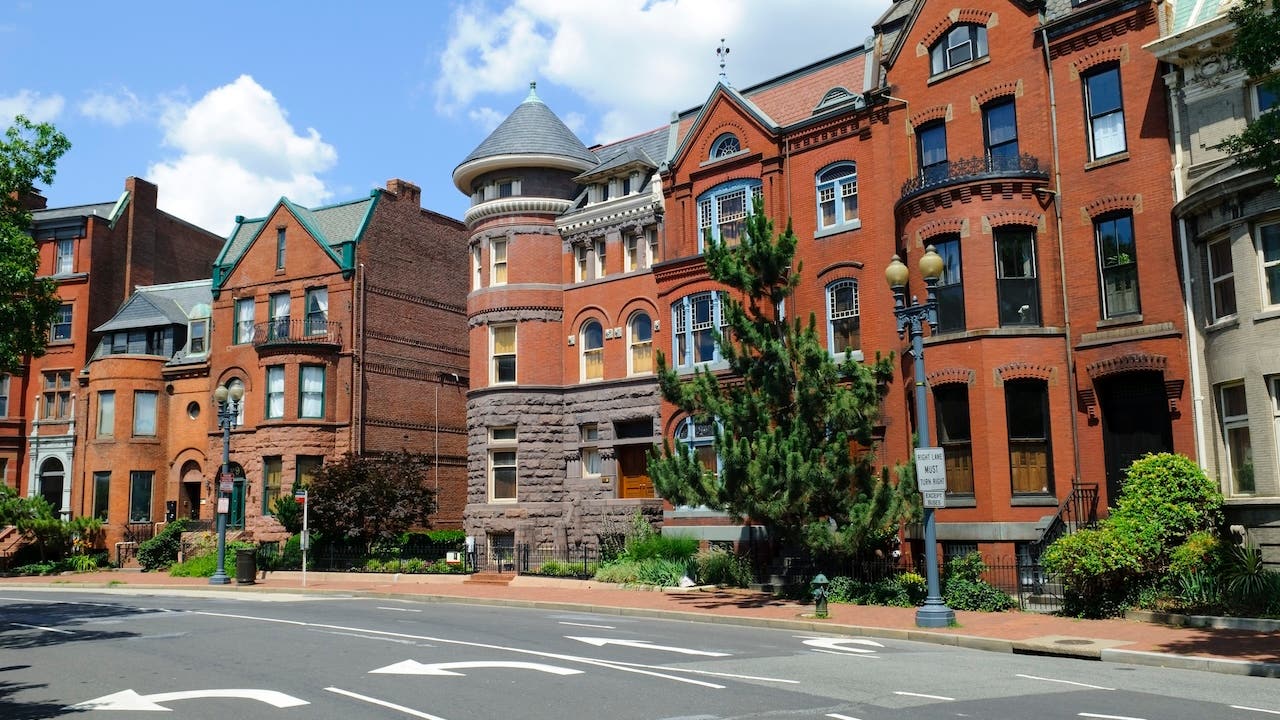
(224, 505)
(225, 486)
(300, 497)
(931, 469)
(227, 477)
(935, 498)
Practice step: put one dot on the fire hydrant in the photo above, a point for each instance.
(820, 584)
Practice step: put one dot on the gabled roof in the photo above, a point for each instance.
(1187, 13)
(102, 210)
(336, 228)
(154, 306)
(643, 151)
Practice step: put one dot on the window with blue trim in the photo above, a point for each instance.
(844, 326)
(699, 436)
(837, 189)
(726, 144)
(723, 211)
(696, 319)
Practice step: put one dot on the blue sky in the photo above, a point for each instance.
(229, 105)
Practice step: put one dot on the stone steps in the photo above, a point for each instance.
(490, 578)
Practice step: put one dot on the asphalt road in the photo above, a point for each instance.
(205, 654)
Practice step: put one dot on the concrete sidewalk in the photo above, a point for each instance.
(1235, 651)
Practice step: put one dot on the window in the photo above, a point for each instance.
(1269, 249)
(651, 235)
(140, 482)
(1119, 265)
(837, 189)
(66, 256)
(951, 405)
(700, 437)
(280, 248)
(950, 289)
(1234, 409)
(101, 495)
(1000, 133)
(600, 248)
(308, 465)
(726, 144)
(502, 350)
(506, 188)
(1017, 288)
(57, 394)
(279, 317)
(311, 398)
(498, 261)
(61, 328)
(844, 329)
(961, 44)
(272, 472)
(591, 340)
(579, 263)
(590, 451)
(933, 152)
(633, 258)
(696, 319)
(1105, 111)
(275, 391)
(640, 343)
(106, 414)
(244, 320)
(1264, 99)
(144, 413)
(4, 396)
(723, 211)
(197, 342)
(1222, 280)
(318, 311)
(156, 341)
(1030, 455)
(503, 483)
(476, 281)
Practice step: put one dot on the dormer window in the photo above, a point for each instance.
(962, 44)
(725, 145)
(626, 185)
(198, 331)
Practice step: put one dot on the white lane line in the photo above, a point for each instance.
(602, 627)
(838, 716)
(1109, 717)
(368, 637)
(921, 695)
(846, 654)
(42, 627)
(1065, 682)
(398, 609)
(385, 704)
(705, 672)
(1254, 709)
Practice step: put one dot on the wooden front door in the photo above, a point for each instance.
(633, 472)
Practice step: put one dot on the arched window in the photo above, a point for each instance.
(723, 211)
(961, 44)
(51, 483)
(844, 326)
(699, 437)
(591, 341)
(726, 144)
(837, 189)
(640, 344)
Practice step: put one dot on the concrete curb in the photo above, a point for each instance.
(1217, 622)
(1191, 662)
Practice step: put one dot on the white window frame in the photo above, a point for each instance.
(685, 330)
(635, 345)
(712, 209)
(274, 407)
(725, 145)
(587, 351)
(1221, 277)
(309, 373)
(498, 262)
(146, 406)
(600, 250)
(503, 444)
(636, 253)
(973, 35)
(1269, 269)
(589, 452)
(280, 307)
(1092, 118)
(198, 334)
(835, 185)
(244, 320)
(1232, 423)
(477, 281)
(580, 263)
(316, 311)
(60, 329)
(106, 426)
(834, 315)
(493, 357)
(65, 262)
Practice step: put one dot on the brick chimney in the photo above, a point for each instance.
(405, 190)
(31, 200)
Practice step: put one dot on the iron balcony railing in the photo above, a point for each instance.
(974, 168)
(297, 332)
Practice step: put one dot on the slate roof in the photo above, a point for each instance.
(160, 305)
(647, 149)
(100, 209)
(532, 129)
(1188, 13)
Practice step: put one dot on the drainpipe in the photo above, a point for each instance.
(1062, 257)
(357, 394)
(1193, 339)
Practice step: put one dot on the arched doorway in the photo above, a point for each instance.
(52, 478)
(1135, 421)
(189, 494)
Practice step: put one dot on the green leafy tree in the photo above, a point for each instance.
(28, 304)
(371, 499)
(1257, 50)
(793, 425)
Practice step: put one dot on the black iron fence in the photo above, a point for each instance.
(973, 168)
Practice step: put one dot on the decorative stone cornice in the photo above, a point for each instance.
(635, 220)
(510, 231)
(1112, 203)
(1024, 371)
(1131, 362)
(951, 376)
(937, 112)
(515, 206)
(514, 313)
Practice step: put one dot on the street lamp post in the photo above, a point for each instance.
(911, 320)
(228, 400)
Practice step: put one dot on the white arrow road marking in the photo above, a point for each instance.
(385, 704)
(1108, 717)
(1254, 709)
(838, 716)
(599, 627)
(413, 667)
(703, 672)
(1065, 682)
(130, 700)
(921, 695)
(838, 644)
(42, 627)
(645, 644)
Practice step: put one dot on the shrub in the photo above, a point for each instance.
(718, 567)
(661, 571)
(666, 547)
(1097, 567)
(915, 586)
(622, 572)
(41, 568)
(161, 551)
(969, 566)
(456, 538)
(199, 566)
(1164, 500)
(1198, 591)
(981, 596)
(844, 589)
(1202, 551)
(288, 512)
(1249, 585)
(415, 565)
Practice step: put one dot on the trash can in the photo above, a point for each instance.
(246, 566)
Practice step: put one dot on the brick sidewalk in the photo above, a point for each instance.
(1031, 632)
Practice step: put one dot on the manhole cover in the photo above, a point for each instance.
(1072, 642)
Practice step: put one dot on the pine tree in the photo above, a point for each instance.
(794, 427)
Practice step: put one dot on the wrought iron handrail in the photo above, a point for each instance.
(287, 331)
(1079, 509)
(967, 169)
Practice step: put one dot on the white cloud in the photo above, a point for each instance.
(115, 109)
(486, 117)
(635, 61)
(238, 154)
(31, 104)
